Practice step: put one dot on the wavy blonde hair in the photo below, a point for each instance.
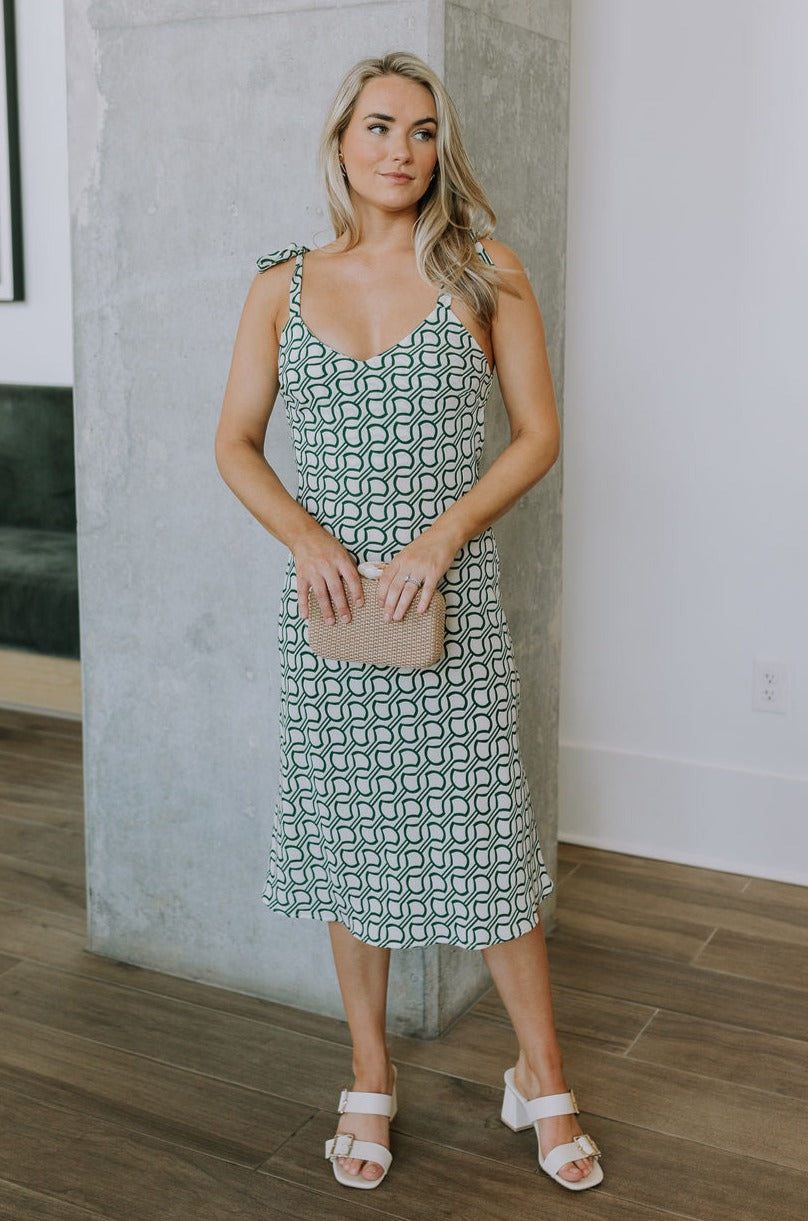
(454, 210)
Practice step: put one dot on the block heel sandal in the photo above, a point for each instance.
(519, 1113)
(345, 1144)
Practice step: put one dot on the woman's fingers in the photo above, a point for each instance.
(354, 582)
(427, 591)
(427, 559)
(328, 585)
(333, 578)
(401, 593)
(330, 593)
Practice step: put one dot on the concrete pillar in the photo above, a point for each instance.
(507, 67)
(192, 136)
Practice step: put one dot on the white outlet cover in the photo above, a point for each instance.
(770, 686)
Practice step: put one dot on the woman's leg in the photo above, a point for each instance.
(363, 972)
(521, 973)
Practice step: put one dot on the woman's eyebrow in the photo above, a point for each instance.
(389, 118)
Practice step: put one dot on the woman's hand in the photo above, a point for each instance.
(321, 565)
(427, 558)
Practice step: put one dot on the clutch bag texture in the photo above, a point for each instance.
(414, 642)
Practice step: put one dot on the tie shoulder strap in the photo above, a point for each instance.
(481, 250)
(283, 256)
(279, 256)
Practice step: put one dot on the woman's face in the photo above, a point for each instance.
(388, 148)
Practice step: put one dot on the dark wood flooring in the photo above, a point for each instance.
(681, 995)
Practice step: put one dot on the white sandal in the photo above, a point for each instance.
(345, 1144)
(519, 1113)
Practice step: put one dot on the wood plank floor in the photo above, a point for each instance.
(681, 995)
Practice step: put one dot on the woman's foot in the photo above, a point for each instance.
(368, 1127)
(560, 1128)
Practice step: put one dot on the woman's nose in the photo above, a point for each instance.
(401, 150)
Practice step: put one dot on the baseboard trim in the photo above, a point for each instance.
(698, 860)
(32, 682)
(685, 811)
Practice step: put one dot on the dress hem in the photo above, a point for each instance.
(327, 917)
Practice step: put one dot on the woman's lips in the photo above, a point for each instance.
(398, 177)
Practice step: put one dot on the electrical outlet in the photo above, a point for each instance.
(770, 689)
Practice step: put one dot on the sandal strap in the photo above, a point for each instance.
(345, 1144)
(550, 1105)
(359, 1103)
(573, 1151)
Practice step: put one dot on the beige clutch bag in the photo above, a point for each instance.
(414, 642)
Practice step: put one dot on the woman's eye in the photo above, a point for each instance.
(377, 127)
(428, 135)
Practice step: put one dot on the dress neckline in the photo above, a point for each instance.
(444, 300)
(407, 339)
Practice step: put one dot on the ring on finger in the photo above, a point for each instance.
(414, 580)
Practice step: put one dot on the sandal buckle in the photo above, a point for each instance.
(587, 1146)
(343, 1102)
(574, 1102)
(336, 1151)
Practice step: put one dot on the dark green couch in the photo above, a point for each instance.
(39, 588)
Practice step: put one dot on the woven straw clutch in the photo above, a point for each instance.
(414, 642)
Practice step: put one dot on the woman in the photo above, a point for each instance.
(403, 815)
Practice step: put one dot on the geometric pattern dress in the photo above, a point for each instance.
(403, 809)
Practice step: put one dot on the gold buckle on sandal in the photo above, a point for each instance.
(574, 1102)
(343, 1102)
(587, 1146)
(336, 1151)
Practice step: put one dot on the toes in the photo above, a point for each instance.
(578, 1170)
(370, 1170)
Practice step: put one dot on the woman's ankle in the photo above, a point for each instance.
(546, 1071)
(373, 1070)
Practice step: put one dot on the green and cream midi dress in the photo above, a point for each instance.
(403, 809)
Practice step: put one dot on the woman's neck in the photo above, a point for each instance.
(384, 231)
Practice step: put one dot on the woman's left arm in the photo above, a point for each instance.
(523, 370)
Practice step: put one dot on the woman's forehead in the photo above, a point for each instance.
(393, 94)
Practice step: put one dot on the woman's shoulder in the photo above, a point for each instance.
(500, 254)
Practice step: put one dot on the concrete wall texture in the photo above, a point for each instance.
(192, 137)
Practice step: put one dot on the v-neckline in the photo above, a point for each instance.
(444, 299)
(356, 360)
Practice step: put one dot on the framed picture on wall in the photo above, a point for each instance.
(11, 267)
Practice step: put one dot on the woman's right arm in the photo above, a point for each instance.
(252, 387)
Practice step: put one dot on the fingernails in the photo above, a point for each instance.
(346, 618)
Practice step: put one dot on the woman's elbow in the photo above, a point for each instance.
(546, 445)
(226, 449)
(553, 446)
(220, 450)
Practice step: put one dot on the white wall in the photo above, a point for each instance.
(686, 435)
(36, 334)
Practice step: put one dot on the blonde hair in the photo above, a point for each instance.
(454, 210)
